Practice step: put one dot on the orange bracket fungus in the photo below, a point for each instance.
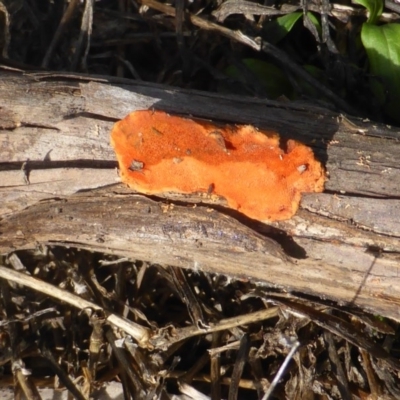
(159, 153)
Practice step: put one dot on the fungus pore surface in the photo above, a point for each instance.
(158, 152)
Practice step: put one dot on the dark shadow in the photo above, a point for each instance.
(47, 164)
(289, 246)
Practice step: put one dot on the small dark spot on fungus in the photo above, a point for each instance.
(256, 176)
(156, 131)
(136, 165)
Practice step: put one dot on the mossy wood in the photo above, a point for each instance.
(58, 187)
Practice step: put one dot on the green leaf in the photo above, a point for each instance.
(382, 45)
(286, 22)
(276, 30)
(375, 8)
(315, 21)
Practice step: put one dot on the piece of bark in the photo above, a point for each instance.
(184, 236)
(344, 243)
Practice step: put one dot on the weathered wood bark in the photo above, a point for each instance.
(343, 244)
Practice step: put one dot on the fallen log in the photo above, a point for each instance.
(58, 186)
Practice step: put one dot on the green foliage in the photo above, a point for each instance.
(315, 21)
(272, 78)
(382, 45)
(380, 42)
(375, 8)
(276, 30)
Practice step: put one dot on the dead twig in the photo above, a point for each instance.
(255, 44)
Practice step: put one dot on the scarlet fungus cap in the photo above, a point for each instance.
(159, 153)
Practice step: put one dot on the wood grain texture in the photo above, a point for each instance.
(343, 244)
